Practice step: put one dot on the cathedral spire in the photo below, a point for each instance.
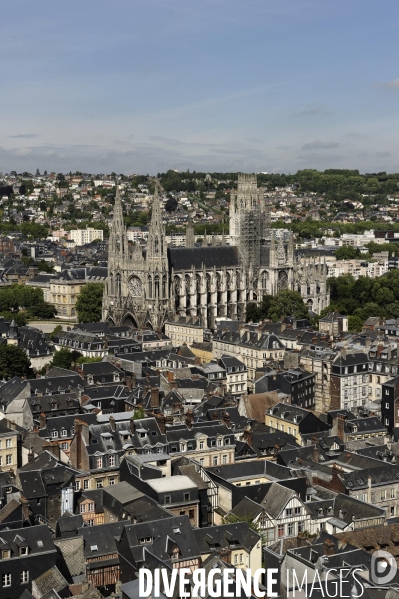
(190, 237)
(117, 240)
(156, 244)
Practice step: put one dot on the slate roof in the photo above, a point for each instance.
(11, 389)
(165, 535)
(222, 537)
(59, 384)
(100, 540)
(181, 258)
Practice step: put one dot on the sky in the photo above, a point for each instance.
(141, 86)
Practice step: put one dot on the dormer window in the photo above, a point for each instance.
(23, 550)
(6, 553)
(63, 432)
(54, 434)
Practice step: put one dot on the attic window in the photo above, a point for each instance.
(176, 531)
(145, 540)
(40, 543)
(93, 548)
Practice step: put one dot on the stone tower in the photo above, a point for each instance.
(190, 237)
(247, 219)
(157, 288)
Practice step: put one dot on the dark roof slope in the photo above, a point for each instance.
(184, 258)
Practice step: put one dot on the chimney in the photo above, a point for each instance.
(78, 448)
(215, 415)
(341, 427)
(369, 489)
(112, 423)
(42, 420)
(25, 508)
(189, 419)
(248, 434)
(132, 425)
(53, 448)
(315, 454)
(155, 397)
(300, 540)
(31, 456)
(328, 547)
(161, 420)
(226, 419)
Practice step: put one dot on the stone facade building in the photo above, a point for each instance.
(147, 288)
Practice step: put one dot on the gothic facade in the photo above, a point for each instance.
(147, 288)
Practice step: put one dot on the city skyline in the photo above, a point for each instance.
(219, 86)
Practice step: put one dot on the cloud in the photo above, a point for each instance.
(318, 144)
(394, 84)
(383, 154)
(24, 135)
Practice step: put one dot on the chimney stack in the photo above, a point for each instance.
(328, 547)
(132, 425)
(112, 423)
(42, 420)
(155, 397)
(341, 427)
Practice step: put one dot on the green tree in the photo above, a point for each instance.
(55, 331)
(18, 317)
(355, 324)
(89, 302)
(84, 360)
(287, 303)
(347, 252)
(251, 313)
(14, 362)
(63, 358)
(255, 526)
(138, 413)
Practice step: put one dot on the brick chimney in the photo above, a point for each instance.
(328, 547)
(78, 449)
(132, 425)
(25, 508)
(31, 456)
(161, 420)
(215, 415)
(112, 423)
(226, 419)
(189, 419)
(42, 420)
(315, 453)
(155, 397)
(248, 435)
(53, 448)
(341, 427)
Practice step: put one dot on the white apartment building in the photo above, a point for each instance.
(358, 268)
(83, 236)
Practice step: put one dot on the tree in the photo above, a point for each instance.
(55, 331)
(63, 358)
(255, 526)
(89, 302)
(355, 324)
(347, 252)
(287, 303)
(19, 317)
(138, 413)
(171, 204)
(14, 362)
(84, 360)
(251, 313)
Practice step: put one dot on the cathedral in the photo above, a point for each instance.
(147, 288)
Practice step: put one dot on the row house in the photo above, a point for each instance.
(253, 348)
(210, 443)
(280, 513)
